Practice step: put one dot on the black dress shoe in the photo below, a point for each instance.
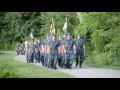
(61, 65)
(80, 66)
(67, 66)
(70, 66)
(55, 68)
(47, 66)
(51, 67)
(76, 65)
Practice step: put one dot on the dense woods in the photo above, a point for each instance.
(99, 30)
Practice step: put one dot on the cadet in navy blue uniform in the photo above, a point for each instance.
(54, 44)
(28, 51)
(60, 52)
(17, 49)
(37, 52)
(42, 53)
(46, 46)
(32, 52)
(79, 51)
(63, 53)
(70, 51)
(22, 49)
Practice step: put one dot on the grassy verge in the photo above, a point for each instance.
(9, 68)
(98, 65)
(102, 66)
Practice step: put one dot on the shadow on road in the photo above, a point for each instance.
(83, 67)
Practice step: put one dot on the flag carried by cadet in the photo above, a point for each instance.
(65, 26)
(52, 28)
(31, 34)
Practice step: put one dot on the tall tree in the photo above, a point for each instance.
(24, 22)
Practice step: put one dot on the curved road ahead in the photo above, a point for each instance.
(84, 72)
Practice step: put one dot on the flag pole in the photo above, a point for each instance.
(66, 19)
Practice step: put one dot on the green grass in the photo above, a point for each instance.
(16, 69)
(102, 66)
(98, 65)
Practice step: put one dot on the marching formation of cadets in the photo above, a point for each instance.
(52, 52)
(20, 49)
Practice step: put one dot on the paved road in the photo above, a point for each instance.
(85, 72)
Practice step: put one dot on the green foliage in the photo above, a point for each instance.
(12, 46)
(24, 22)
(7, 46)
(59, 32)
(7, 71)
(16, 26)
(102, 32)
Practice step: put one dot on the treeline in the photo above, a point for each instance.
(100, 31)
(16, 26)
